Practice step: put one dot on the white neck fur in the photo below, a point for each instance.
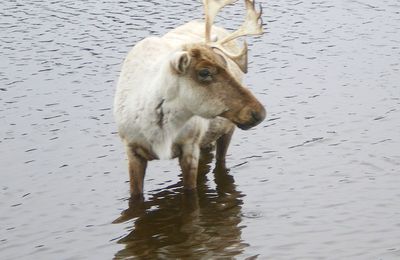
(164, 114)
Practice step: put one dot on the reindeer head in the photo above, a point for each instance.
(207, 86)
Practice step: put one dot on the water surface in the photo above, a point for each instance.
(319, 179)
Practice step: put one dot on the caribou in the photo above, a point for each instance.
(182, 92)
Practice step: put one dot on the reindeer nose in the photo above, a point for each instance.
(254, 117)
(258, 116)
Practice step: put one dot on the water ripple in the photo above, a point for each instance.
(317, 180)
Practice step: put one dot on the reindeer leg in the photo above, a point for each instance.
(189, 162)
(137, 169)
(222, 148)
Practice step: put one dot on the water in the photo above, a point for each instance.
(319, 179)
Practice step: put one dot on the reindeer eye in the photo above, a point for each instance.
(204, 74)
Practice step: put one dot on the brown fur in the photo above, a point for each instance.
(245, 110)
(137, 169)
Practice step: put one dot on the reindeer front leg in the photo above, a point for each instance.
(137, 169)
(222, 148)
(189, 162)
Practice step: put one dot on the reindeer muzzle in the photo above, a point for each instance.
(249, 117)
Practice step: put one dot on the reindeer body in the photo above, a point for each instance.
(146, 84)
(179, 93)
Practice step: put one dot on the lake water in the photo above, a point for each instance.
(319, 179)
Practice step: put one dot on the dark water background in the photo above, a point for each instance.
(319, 179)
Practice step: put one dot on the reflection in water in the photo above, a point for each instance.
(173, 223)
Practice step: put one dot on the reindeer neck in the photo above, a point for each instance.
(165, 113)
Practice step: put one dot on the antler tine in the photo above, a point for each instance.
(240, 59)
(251, 26)
(211, 9)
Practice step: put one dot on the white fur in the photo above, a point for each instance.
(146, 81)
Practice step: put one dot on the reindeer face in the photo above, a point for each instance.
(208, 89)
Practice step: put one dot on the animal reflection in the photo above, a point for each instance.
(177, 224)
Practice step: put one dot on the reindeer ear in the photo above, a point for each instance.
(180, 61)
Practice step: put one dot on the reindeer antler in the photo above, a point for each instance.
(251, 26)
(211, 9)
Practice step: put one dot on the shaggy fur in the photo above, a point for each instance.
(165, 108)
